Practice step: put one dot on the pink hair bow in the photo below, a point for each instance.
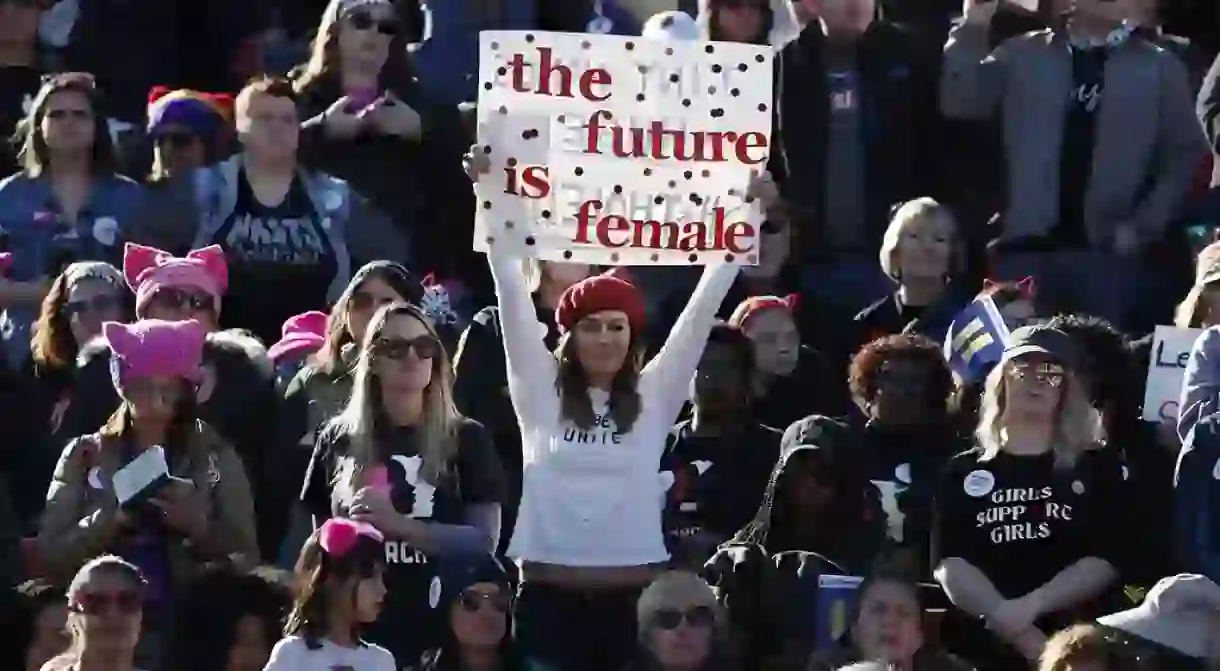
(338, 535)
(139, 262)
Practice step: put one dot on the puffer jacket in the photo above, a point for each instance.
(79, 520)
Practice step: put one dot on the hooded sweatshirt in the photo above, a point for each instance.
(593, 498)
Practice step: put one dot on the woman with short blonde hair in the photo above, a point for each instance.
(921, 252)
(1022, 541)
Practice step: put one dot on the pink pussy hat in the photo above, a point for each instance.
(152, 347)
(304, 332)
(148, 270)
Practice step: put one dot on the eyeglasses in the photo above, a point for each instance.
(471, 601)
(1049, 374)
(178, 299)
(99, 303)
(123, 602)
(365, 21)
(362, 301)
(699, 616)
(176, 140)
(425, 346)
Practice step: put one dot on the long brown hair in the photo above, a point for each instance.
(52, 346)
(573, 388)
(329, 359)
(322, 66)
(314, 569)
(35, 156)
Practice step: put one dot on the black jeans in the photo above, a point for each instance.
(564, 629)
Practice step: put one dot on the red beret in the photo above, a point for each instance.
(597, 294)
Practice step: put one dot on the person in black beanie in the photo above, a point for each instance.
(473, 593)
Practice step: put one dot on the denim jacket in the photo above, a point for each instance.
(42, 243)
(189, 213)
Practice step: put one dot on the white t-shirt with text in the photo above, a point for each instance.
(291, 654)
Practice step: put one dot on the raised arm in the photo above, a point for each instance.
(669, 373)
(530, 367)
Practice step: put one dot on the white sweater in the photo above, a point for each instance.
(291, 654)
(593, 498)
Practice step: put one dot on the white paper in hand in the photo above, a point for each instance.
(1027, 5)
(141, 477)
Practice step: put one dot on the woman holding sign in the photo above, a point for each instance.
(594, 421)
(1021, 541)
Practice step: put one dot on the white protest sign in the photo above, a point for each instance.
(1166, 366)
(621, 150)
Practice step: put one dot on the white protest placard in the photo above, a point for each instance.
(621, 150)
(1166, 365)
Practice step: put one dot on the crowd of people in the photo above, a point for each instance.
(262, 407)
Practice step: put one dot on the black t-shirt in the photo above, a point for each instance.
(407, 626)
(281, 260)
(1020, 520)
(717, 485)
(18, 86)
(1079, 137)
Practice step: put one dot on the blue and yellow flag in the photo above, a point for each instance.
(976, 340)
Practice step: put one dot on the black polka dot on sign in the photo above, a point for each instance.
(563, 118)
(710, 49)
(686, 102)
(639, 97)
(643, 69)
(618, 188)
(655, 257)
(579, 171)
(509, 224)
(675, 78)
(648, 172)
(529, 134)
(567, 253)
(711, 90)
(762, 107)
(760, 59)
(716, 69)
(490, 239)
(669, 51)
(728, 258)
(706, 173)
(659, 200)
(529, 38)
(487, 86)
(688, 174)
(694, 198)
(693, 257)
(495, 45)
(717, 113)
(529, 240)
(735, 92)
(511, 162)
(672, 184)
(546, 214)
(487, 205)
(630, 46)
(487, 149)
(742, 67)
(501, 71)
(586, 45)
(503, 109)
(614, 258)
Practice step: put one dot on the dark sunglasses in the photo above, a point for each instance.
(177, 140)
(177, 298)
(425, 346)
(472, 601)
(363, 301)
(699, 616)
(123, 602)
(100, 303)
(1048, 374)
(365, 21)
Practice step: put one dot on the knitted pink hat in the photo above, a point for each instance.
(152, 347)
(148, 270)
(306, 331)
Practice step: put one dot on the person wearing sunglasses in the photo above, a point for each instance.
(340, 578)
(105, 613)
(1023, 538)
(68, 203)
(476, 602)
(188, 129)
(324, 384)
(364, 118)
(400, 457)
(204, 511)
(681, 626)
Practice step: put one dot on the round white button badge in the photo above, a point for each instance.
(105, 230)
(1077, 487)
(434, 593)
(903, 473)
(979, 483)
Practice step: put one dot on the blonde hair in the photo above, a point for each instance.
(1077, 423)
(108, 564)
(1090, 644)
(1191, 312)
(359, 419)
(920, 209)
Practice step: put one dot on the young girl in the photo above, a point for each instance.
(339, 588)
